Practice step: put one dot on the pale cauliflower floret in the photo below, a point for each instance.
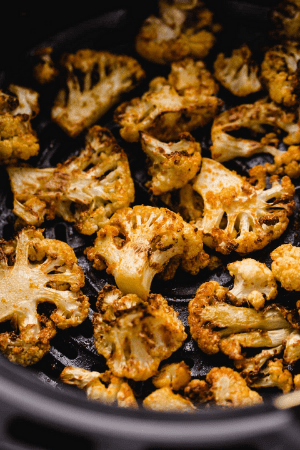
(135, 335)
(85, 190)
(273, 375)
(280, 73)
(102, 387)
(95, 82)
(35, 270)
(183, 102)
(253, 282)
(238, 73)
(44, 70)
(165, 400)
(171, 165)
(254, 117)
(286, 19)
(285, 266)
(238, 216)
(28, 100)
(181, 30)
(142, 241)
(175, 375)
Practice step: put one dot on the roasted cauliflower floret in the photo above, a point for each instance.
(165, 400)
(44, 71)
(238, 73)
(273, 375)
(183, 102)
(171, 165)
(142, 241)
(175, 375)
(238, 216)
(285, 266)
(135, 335)
(35, 270)
(182, 29)
(280, 73)
(102, 387)
(85, 190)
(95, 81)
(254, 117)
(286, 19)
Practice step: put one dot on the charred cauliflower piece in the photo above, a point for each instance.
(35, 270)
(287, 162)
(135, 335)
(285, 266)
(142, 241)
(274, 375)
(44, 70)
(280, 73)
(95, 81)
(183, 102)
(165, 400)
(175, 375)
(238, 73)
(238, 216)
(253, 117)
(85, 190)
(182, 29)
(286, 19)
(171, 165)
(102, 387)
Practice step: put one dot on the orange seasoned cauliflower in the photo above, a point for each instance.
(274, 375)
(165, 400)
(44, 70)
(285, 266)
(175, 376)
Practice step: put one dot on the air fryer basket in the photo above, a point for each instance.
(36, 408)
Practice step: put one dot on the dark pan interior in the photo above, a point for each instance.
(115, 32)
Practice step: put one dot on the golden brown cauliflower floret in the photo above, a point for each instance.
(182, 29)
(285, 266)
(183, 102)
(102, 387)
(142, 241)
(287, 162)
(273, 375)
(135, 335)
(35, 270)
(165, 400)
(175, 375)
(44, 70)
(286, 19)
(85, 190)
(237, 215)
(254, 117)
(171, 165)
(95, 81)
(280, 73)
(238, 73)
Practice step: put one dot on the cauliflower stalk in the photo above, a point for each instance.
(85, 190)
(135, 335)
(142, 241)
(35, 270)
(95, 81)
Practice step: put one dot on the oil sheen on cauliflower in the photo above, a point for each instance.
(135, 335)
(85, 190)
(102, 387)
(253, 117)
(286, 20)
(173, 164)
(95, 81)
(237, 215)
(142, 241)
(35, 270)
(183, 102)
(285, 266)
(238, 73)
(182, 29)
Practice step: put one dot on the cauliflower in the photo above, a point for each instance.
(182, 29)
(95, 81)
(297, 381)
(237, 215)
(135, 335)
(274, 375)
(280, 74)
(27, 101)
(186, 201)
(287, 162)
(85, 190)
(238, 73)
(172, 165)
(44, 70)
(285, 266)
(175, 376)
(183, 102)
(286, 19)
(102, 387)
(165, 400)
(217, 324)
(142, 241)
(252, 116)
(35, 270)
